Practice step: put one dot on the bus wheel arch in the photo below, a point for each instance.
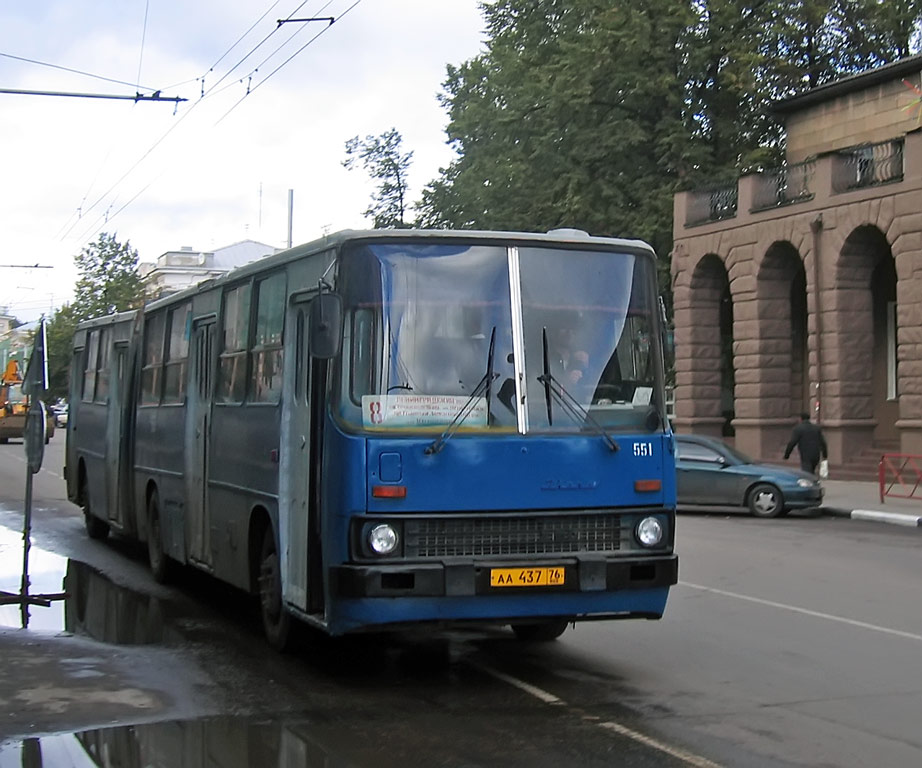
(96, 528)
(266, 578)
(161, 566)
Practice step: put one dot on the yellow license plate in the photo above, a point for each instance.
(526, 577)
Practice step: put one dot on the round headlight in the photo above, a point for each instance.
(649, 531)
(382, 539)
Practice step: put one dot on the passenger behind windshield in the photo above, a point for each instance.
(568, 361)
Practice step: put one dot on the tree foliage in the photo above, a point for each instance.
(592, 113)
(382, 157)
(108, 281)
(59, 332)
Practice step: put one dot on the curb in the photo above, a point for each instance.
(895, 518)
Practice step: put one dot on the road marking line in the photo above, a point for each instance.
(22, 460)
(549, 698)
(679, 754)
(805, 611)
(538, 693)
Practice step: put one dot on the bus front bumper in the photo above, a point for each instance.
(473, 578)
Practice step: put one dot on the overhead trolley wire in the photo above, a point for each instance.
(274, 71)
(253, 50)
(75, 71)
(105, 217)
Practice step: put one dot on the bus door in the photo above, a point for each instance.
(299, 508)
(200, 398)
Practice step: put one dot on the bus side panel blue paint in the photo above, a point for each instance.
(540, 472)
(343, 481)
(349, 615)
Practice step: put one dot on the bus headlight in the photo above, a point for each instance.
(382, 539)
(649, 531)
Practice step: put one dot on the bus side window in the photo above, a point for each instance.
(232, 384)
(266, 373)
(102, 367)
(301, 358)
(363, 345)
(151, 373)
(89, 369)
(174, 387)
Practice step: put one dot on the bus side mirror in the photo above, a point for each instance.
(326, 331)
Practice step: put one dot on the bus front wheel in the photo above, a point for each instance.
(540, 632)
(275, 619)
(160, 563)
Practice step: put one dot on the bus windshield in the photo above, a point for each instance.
(533, 338)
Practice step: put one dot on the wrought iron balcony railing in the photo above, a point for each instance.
(867, 165)
(712, 204)
(790, 184)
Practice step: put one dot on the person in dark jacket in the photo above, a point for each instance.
(808, 438)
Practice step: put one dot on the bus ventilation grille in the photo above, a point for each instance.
(484, 536)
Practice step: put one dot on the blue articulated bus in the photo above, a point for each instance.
(393, 428)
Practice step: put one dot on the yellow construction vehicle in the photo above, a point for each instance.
(14, 405)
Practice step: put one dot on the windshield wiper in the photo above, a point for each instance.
(485, 385)
(553, 389)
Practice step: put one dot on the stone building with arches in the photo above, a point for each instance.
(800, 289)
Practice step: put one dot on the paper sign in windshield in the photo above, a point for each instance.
(420, 410)
(642, 396)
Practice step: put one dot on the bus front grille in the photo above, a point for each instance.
(510, 536)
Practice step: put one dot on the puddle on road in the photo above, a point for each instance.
(227, 742)
(93, 607)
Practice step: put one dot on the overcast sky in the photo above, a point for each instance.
(210, 171)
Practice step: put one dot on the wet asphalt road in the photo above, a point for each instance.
(788, 642)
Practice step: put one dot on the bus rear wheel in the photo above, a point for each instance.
(160, 563)
(275, 619)
(540, 632)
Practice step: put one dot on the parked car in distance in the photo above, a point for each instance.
(710, 475)
(59, 410)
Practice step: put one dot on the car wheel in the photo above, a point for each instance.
(765, 500)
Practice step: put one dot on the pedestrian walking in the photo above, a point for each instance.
(809, 440)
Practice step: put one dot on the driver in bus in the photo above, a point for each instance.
(568, 361)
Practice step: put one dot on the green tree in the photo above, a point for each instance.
(592, 113)
(108, 278)
(573, 116)
(59, 331)
(107, 282)
(386, 163)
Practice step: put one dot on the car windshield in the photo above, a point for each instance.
(738, 456)
(425, 322)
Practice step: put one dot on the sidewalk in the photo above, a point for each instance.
(861, 501)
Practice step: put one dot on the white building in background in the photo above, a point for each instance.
(176, 270)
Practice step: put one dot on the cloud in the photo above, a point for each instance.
(215, 170)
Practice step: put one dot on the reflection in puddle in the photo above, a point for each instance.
(94, 606)
(211, 743)
(46, 574)
(97, 608)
